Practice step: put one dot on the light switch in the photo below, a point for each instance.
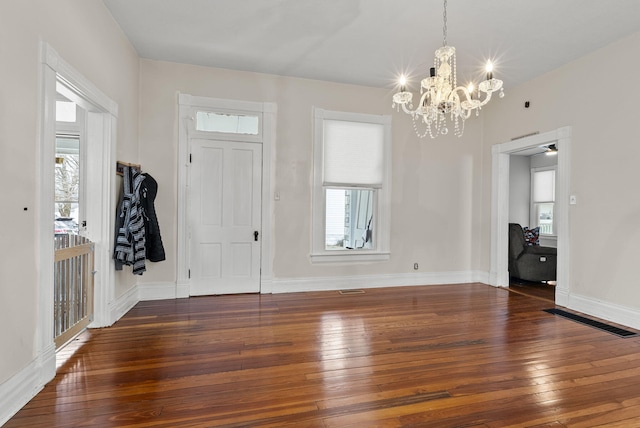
(276, 196)
(573, 200)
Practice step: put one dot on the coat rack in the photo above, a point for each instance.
(120, 167)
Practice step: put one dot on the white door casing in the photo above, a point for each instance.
(499, 275)
(225, 214)
(188, 105)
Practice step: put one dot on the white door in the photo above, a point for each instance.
(225, 206)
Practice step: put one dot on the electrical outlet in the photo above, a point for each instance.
(415, 266)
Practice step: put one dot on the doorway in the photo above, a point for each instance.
(499, 275)
(225, 160)
(59, 78)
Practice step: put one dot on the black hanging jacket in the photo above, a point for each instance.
(148, 192)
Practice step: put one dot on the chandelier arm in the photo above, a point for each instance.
(408, 111)
(464, 91)
(487, 98)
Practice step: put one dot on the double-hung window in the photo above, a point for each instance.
(351, 191)
(543, 198)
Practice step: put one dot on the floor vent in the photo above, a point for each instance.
(597, 324)
(351, 291)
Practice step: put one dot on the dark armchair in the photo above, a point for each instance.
(530, 262)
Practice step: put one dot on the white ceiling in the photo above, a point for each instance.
(371, 42)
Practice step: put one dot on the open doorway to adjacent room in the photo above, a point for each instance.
(532, 196)
(548, 211)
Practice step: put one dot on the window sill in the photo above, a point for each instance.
(349, 256)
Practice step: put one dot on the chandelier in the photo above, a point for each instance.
(442, 101)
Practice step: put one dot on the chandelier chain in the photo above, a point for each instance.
(444, 27)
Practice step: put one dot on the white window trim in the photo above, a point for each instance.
(382, 215)
(532, 211)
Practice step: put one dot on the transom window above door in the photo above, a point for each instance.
(227, 123)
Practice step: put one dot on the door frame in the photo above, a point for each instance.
(101, 132)
(499, 274)
(187, 104)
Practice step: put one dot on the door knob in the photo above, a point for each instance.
(255, 235)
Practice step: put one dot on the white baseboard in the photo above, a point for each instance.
(24, 385)
(292, 285)
(172, 290)
(158, 291)
(266, 285)
(618, 314)
(562, 297)
(182, 289)
(123, 304)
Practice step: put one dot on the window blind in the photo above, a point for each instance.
(353, 153)
(544, 186)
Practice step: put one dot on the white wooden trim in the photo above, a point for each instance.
(186, 105)
(123, 304)
(293, 285)
(562, 214)
(499, 275)
(619, 314)
(157, 291)
(185, 121)
(268, 190)
(19, 389)
(55, 68)
(45, 198)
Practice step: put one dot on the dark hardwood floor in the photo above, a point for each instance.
(541, 290)
(466, 355)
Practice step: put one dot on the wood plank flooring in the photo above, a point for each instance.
(534, 289)
(463, 355)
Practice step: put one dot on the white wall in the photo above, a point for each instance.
(604, 226)
(519, 189)
(435, 182)
(85, 35)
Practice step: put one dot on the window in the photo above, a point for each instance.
(543, 196)
(227, 123)
(351, 193)
(67, 187)
(349, 218)
(69, 167)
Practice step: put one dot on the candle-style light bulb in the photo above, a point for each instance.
(403, 83)
(470, 89)
(489, 69)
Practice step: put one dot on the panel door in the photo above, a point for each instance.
(225, 215)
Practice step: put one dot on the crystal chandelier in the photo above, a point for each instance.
(442, 100)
